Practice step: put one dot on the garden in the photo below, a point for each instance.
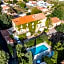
(36, 41)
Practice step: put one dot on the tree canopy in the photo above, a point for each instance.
(24, 57)
(5, 21)
(58, 12)
(25, 0)
(48, 23)
(60, 28)
(3, 57)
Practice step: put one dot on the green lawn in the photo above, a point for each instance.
(22, 36)
(39, 40)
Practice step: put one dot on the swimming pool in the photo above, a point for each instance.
(39, 49)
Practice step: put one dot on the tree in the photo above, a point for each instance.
(45, 0)
(14, 1)
(21, 4)
(58, 12)
(23, 56)
(35, 10)
(29, 55)
(55, 57)
(48, 23)
(5, 21)
(0, 2)
(48, 60)
(60, 28)
(58, 47)
(25, 0)
(3, 57)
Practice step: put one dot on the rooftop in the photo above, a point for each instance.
(6, 36)
(29, 18)
(55, 20)
(5, 7)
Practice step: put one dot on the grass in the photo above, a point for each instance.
(22, 36)
(39, 40)
(30, 43)
(11, 36)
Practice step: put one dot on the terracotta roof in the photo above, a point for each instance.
(62, 21)
(55, 20)
(29, 18)
(6, 35)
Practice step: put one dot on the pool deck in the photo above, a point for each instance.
(44, 43)
(42, 53)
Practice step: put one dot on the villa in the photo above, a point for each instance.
(42, 9)
(5, 8)
(29, 24)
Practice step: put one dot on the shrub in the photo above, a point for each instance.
(35, 10)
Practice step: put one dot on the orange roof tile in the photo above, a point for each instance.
(29, 18)
(55, 20)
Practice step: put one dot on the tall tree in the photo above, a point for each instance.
(23, 56)
(14, 1)
(58, 12)
(3, 57)
(48, 23)
(5, 21)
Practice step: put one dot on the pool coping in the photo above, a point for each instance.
(44, 43)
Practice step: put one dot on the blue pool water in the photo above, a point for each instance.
(39, 49)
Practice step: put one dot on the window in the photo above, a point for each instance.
(33, 27)
(32, 23)
(21, 26)
(27, 24)
(27, 29)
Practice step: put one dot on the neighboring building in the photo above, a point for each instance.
(31, 3)
(5, 8)
(25, 24)
(12, 0)
(42, 9)
(55, 21)
(6, 36)
(39, 3)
